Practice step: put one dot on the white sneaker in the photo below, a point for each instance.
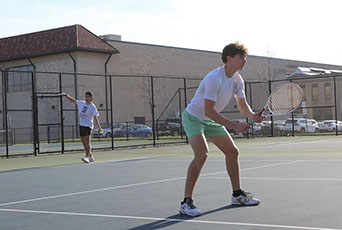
(188, 208)
(91, 159)
(85, 159)
(245, 199)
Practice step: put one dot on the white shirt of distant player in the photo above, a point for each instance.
(216, 86)
(86, 113)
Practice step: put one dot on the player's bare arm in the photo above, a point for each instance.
(246, 110)
(70, 98)
(97, 122)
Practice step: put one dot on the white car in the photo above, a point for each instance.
(301, 125)
(330, 125)
(255, 129)
(278, 127)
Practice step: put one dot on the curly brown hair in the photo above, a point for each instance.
(232, 49)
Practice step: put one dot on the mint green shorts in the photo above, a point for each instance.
(194, 126)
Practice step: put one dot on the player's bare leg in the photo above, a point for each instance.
(200, 147)
(231, 152)
(86, 143)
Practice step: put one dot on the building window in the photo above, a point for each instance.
(20, 80)
(304, 91)
(327, 91)
(315, 92)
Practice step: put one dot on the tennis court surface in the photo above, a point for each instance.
(299, 181)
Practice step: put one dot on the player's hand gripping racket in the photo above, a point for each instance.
(284, 100)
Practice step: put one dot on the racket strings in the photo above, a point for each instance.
(285, 99)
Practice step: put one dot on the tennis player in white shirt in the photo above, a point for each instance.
(202, 119)
(87, 114)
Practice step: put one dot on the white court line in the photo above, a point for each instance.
(120, 160)
(294, 143)
(137, 184)
(324, 160)
(91, 191)
(272, 165)
(273, 178)
(166, 219)
(124, 160)
(221, 159)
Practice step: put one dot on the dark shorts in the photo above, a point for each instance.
(85, 131)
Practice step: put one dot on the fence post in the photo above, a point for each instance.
(335, 101)
(111, 109)
(48, 133)
(270, 92)
(34, 115)
(246, 92)
(185, 104)
(152, 107)
(4, 104)
(61, 112)
(292, 115)
(106, 95)
(157, 129)
(251, 103)
(180, 113)
(127, 130)
(76, 93)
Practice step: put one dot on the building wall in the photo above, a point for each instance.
(325, 106)
(144, 59)
(147, 59)
(131, 93)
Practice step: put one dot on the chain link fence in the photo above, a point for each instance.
(141, 110)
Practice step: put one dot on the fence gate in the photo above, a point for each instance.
(50, 126)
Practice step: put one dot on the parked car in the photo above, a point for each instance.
(339, 126)
(137, 130)
(314, 122)
(302, 125)
(278, 127)
(330, 126)
(169, 128)
(255, 129)
(107, 130)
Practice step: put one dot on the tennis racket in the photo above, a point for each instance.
(284, 100)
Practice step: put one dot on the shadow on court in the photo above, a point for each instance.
(178, 218)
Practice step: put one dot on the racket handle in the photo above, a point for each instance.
(261, 111)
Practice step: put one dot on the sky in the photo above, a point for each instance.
(304, 30)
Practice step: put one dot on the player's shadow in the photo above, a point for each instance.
(178, 218)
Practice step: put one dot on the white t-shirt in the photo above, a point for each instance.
(216, 86)
(86, 113)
